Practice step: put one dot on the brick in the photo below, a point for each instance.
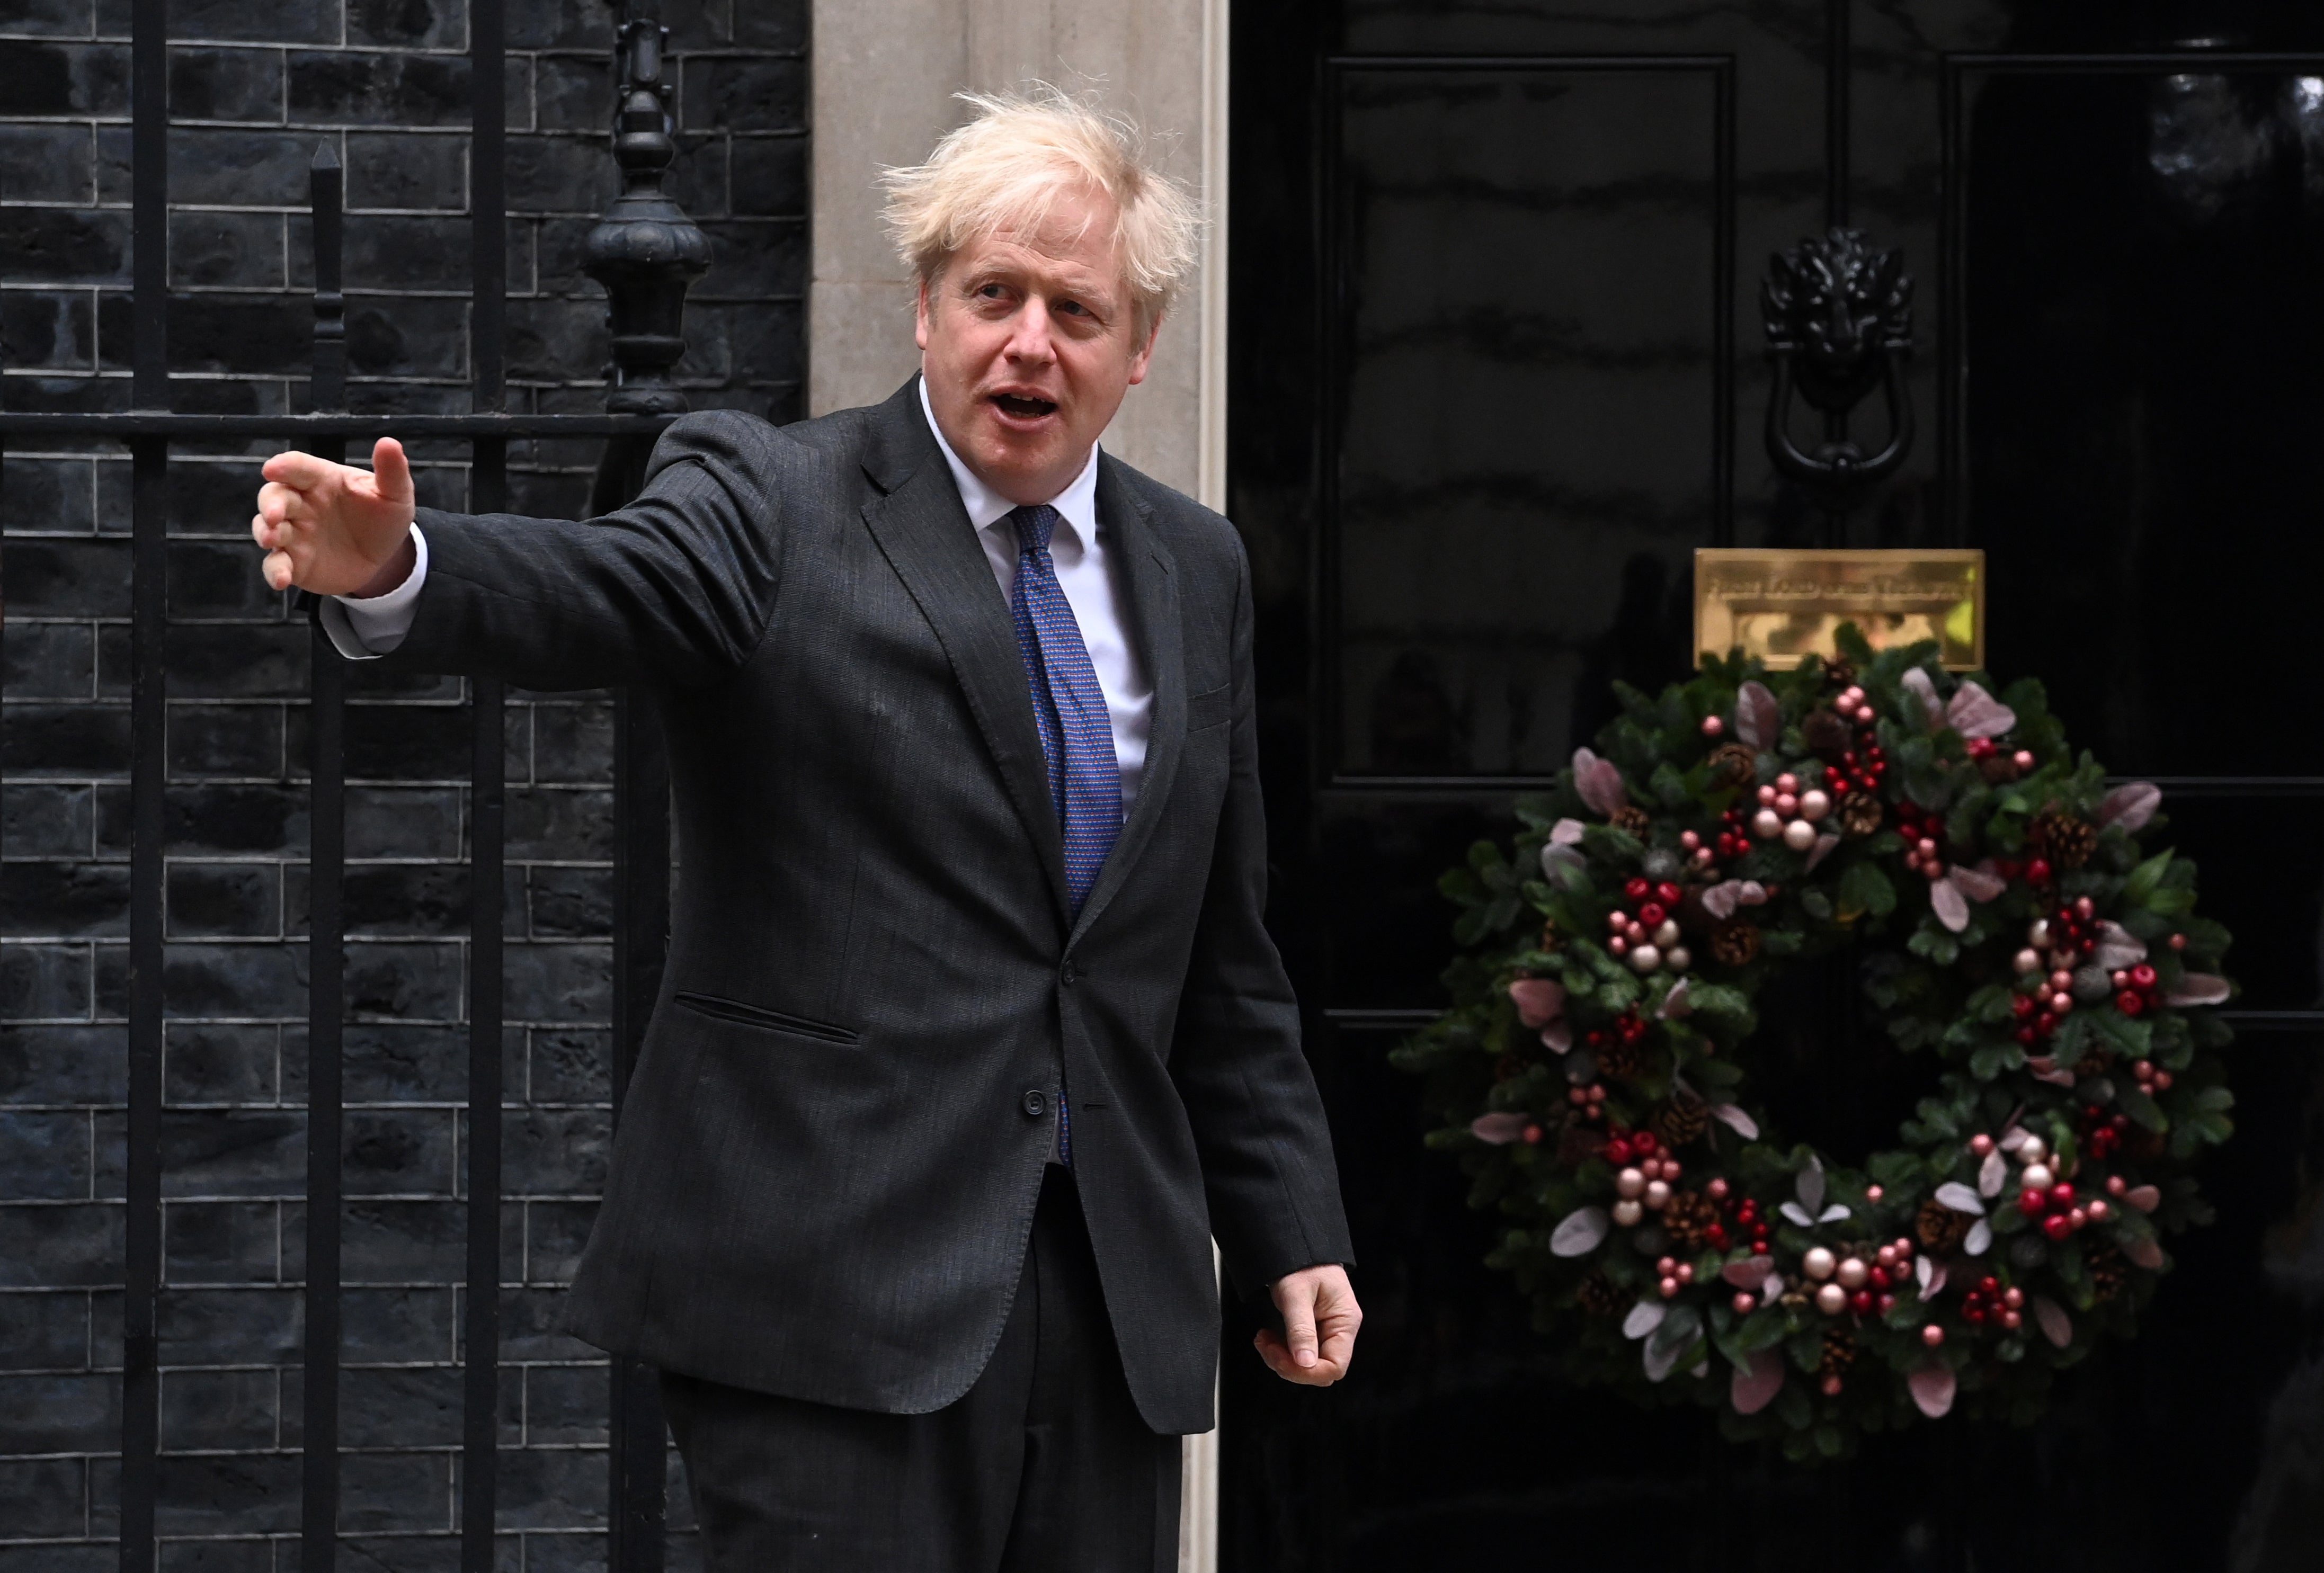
(565, 1405)
(44, 1155)
(223, 1242)
(399, 1152)
(570, 1065)
(401, 1241)
(571, 1552)
(560, 823)
(379, 89)
(255, 978)
(219, 818)
(225, 84)
(530, 1328)
(235, 332)
(557, 982)
(43, 1497)
(48, 660)
(407, 338)
(400, 169)
(43, 821)
(65, 740)
(58, 1063)
(37, 330)
(762, 341)
(222, 900)
(59, 1412)
(697, 179)
(412, 23)
(394, 899)
(392, 251)
(109, 980)
(243, 250)
(547, 337)
(229, 1326)
(234, 1152)
(396, 1491)
(49, 163)
(40, 982)
(548, 1151)
(403, 822)
(62, 1247)
(247, 1556)
(219, 578)
(726, 93)
(398, 1324)
(574, 92)
(228, 1494)
(220, 1062)
(401, 1408)
(392, 1061)
(545, 1489)
(223, 164)
(64, 898)
(66, 578)
(52, 18)
(64, 78)
(42, 1332)
(770, 176)
(209, 661)
(404, 979)
(226, 740)
(52, 496)
(271, 21)
(53, 245)
(59, 1558)
(567, 903)
(561, 173)
(218, 1410)
(554, 1234)
(573, 743)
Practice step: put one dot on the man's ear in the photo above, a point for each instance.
(920, 314)
(1143, 358)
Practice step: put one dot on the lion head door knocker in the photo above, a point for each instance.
(1839, 324)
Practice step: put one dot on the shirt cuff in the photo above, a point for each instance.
(365, 628)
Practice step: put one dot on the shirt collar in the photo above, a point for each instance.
(1076, 505)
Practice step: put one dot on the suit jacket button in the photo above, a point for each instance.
(1068, 974)
(1036, 1102)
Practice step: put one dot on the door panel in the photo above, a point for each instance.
(1496, 368)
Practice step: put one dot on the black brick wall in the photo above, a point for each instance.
(255, 84)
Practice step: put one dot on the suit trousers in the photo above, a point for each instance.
(1043, 1465)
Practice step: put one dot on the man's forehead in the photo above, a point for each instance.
(1088, 254)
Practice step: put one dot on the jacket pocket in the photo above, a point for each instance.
(1205, 711)
(758, 1016)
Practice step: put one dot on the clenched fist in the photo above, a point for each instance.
(333, 528)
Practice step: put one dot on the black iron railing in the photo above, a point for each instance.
(645, 252)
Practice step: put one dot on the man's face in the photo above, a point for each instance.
(1028, 343)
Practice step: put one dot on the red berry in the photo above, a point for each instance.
(1758, 1247)
(1668, 894)
(1878, 1278)
(2028, 1036)
(1651, 914)
(1759, 1233)
(2024, 1005)
(1533, 1133)
(1636, 889)
(2129, 1004)
(2058, 1226)
(1860, 1302)
(2032, 1202)
(1644, 1144)
(2142, 978)
(1988, 1286)
(1717, 1235)
(1618, 1153)
(2062, 1195)
(2038, 871)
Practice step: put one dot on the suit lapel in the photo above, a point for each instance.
(927, 537)
(1149, 586)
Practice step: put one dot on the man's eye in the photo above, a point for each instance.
(1073, 308)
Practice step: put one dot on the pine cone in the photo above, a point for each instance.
(1682, 1119)
(1940, 1229)
(1839, 1352)
(2065, 839)
(2090, 1065)
(1826, 736)
(1621, 1060)
(1859, 813)
(1632, 820)
(2110, 1272)
(1688, 1218)
(1597, 1296)
(1839, 674)
(1735, 943)
(1732, 764)
(2000, 769)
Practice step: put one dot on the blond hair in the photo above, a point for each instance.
(1005, 167)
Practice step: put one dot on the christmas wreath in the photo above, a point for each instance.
(1594, 1067)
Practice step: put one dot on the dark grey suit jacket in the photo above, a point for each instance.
(826, 1169)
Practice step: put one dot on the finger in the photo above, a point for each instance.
(1339, 1345)
(391, 472)
(303, 471)
(278, 570)
(1299, 1328)
(279, 504)
(1276, 1354)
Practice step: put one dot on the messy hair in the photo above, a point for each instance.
(1005, 167)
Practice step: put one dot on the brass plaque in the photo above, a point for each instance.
(1783, 606)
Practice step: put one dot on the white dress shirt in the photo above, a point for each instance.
(368, 626)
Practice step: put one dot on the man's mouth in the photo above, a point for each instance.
(1023, 406)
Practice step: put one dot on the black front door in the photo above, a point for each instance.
(1498, 370)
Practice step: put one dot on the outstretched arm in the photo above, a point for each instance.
(333, 528)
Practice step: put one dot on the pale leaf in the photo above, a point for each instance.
(1582, 1232)
(1675, 1004)
(1735, 1120)
(1558, 1035)
(2199, 989)
(1975, 714)
(1933, 1389)
(1809, 1184)
(1751, 893)
(1599, 782)
(1978, 883)
(1754, 1386)
(1992, 1174)
(1748, 1272)
(1960, 1198)
(1980, 1238)
(2147, 1254)
(2014, 1138)
(1499, 1129)
(1950, 905)
(1758, 719)
(2131, 805)
(1918, 683)
(2118, 946)
(1798, 1214)
(1567, 832)
(1719, 899)
(2056, 1325)
(1832, 1214)
(1539, 1000)
(1817, 853)
(1645, 1317)
(2145, 1198)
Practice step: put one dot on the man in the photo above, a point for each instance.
(972, 1039)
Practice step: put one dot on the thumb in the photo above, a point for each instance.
(1299, 1328)
(391, 472)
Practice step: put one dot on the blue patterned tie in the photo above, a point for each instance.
(1069, 710)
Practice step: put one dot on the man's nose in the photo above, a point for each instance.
(1030, 339)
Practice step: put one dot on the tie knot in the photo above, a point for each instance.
(1034, 521)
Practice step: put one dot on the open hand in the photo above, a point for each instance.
(1320, 1319)
(334, 529)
